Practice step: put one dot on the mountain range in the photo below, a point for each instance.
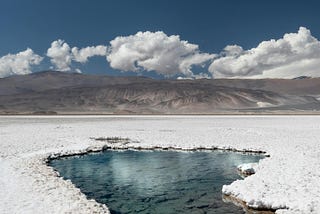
(53, 92)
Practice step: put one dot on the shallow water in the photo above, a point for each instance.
(156, 181)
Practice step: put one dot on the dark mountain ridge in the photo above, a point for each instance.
(53, 91)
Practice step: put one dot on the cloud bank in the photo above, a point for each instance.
(155, 51)
(295, 54)
(18, 64)
(61, 55)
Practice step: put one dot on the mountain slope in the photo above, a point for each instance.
(77, 93)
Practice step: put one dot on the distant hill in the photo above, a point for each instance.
(52, 92)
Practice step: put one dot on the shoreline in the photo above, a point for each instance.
(271, 113)
(247, 209)
(111, 146)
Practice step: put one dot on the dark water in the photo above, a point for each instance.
(156, 182)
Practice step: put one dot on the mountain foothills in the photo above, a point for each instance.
(53, 92)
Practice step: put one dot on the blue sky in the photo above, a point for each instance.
(212, 25)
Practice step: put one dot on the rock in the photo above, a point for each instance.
(247, 168)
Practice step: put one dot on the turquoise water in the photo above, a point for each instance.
(156, 182)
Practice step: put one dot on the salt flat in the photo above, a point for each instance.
(289, 180)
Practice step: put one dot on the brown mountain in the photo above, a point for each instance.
(57, 92)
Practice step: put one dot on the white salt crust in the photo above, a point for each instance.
(287, 181)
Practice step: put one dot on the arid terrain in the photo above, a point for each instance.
(53, 92)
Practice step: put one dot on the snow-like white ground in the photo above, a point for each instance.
(288, 179)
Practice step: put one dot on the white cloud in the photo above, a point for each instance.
(195, 76)
(62, 55)
(232, 50)
(82, 55)
(20, 63)
(295, 54)
(155, 51)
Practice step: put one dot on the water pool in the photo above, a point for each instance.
(156, 181)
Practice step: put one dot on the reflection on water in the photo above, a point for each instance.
(156, 182)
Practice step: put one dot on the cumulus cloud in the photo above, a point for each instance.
(82, 55)
(293, 55)
(20, 63)
(61, 55)
(155, 51)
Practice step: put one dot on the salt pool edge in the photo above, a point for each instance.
(111, 146)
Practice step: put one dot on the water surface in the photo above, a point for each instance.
(156, 181)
